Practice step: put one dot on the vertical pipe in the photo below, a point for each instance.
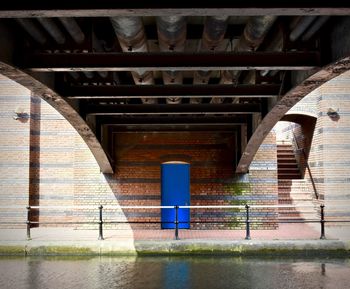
(323, 236)
(247, 237)
(100, 231)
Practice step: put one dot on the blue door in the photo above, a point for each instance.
(175, 190)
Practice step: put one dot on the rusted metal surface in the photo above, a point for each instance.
(172, 38)
(104, 8)
(288, 101)
(154, 91)
(132, 38)
(188, 120)
(73, 29)
(57, 102)
(172, 109)
(213, 34)
(253, 35)
(294, 60)
(32, 29)
(52, 28)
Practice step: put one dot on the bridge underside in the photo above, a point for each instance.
(111, 68)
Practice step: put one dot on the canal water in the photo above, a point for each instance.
(173, 272)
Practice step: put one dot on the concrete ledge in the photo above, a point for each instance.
(180, 247)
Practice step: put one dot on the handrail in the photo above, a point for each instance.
(159, 207)
(307, 166)
(176, 222)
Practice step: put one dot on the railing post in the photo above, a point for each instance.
(28, 223)
(323, 236)
(247, 236)
(100, 235)
(177, 222)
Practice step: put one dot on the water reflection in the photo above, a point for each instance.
(173, 272)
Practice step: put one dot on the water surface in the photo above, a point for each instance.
(173, 272)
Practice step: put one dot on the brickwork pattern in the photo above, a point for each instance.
(329, 157)
(55, 168)
(14, 151)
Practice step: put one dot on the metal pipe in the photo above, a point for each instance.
(315, 27)
(253, 35)
(172, 37)
(97, 47)
(51, 27)
(213, 35)
(177, 223)
(73, 29)
(247, 221)
(100, 226)
(322, 221)
(32, 29)
(28, 223)
(132, 38)
(301, 27)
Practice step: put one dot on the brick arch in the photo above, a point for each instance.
(299, 118)
(287, 102)
(57, 102)
(303, 135)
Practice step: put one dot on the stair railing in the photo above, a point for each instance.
(307, 165)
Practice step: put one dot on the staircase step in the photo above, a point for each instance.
(288, 175)
(287, 166)
(285, 155)
(285, 151)
(292, 169)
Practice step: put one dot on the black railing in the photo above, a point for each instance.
(307, 166)
(247, 220)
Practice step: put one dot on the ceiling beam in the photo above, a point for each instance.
(107, 8)
(134, 109)
(175, 127)
(187, 120)
(46, 62)
(105, 92)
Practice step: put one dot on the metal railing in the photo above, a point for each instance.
(248, 220)
(307, 165)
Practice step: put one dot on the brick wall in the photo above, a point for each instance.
(329, 157)
(14, 150)
(211, 154)
(63, 172)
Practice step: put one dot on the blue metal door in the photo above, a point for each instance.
(175, 190)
